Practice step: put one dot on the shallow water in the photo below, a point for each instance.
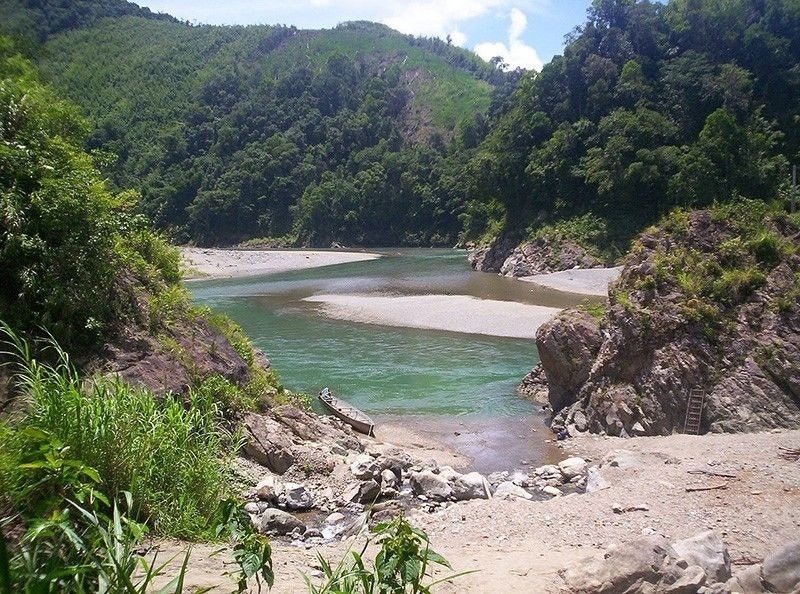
(432, 378)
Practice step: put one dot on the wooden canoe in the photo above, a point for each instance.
(346, 412)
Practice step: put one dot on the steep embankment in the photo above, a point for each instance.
(708, 299)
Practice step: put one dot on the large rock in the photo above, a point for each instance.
(708, 551)
(471, 486)
(510, 491)
(544, 255)
(780, 570)
(278, 522)
(595, 481)
(660, 339)
(297, 497)
(269, 489)
(628, 568)
(364, 467)
(567, 345)
(363, 492)
(572, 467)
(267, 443)
(433, 486)
(534, 385)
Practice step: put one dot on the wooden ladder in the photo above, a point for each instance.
(694, 411)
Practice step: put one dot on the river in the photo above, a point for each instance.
(456, 388)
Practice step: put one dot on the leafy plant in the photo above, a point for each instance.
(251, 551)
(402, 565)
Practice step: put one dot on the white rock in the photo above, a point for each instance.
(547, 469)
(708, 551)
(297, 496)
(432, 486)
(572, 467)
(388, 479)
(595, 481)
(252, 508)
(448, 473)
(334, 518)
(508, 490)
(269, 488)
(471, 486)
(364, 467)
(275, 521)
(521, 479)
(620, 459)
(552, 491)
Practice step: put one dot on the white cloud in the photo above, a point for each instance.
(517, 54)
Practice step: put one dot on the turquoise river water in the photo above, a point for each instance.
(457, 388)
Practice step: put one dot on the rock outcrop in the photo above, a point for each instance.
(704, 302)
(540, 256)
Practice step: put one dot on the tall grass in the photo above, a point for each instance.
(171, 457)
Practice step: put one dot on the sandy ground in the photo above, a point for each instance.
(521, 546)
(454, 313)
(233, 263)
(584, 281)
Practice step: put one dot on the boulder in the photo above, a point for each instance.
(278, 522)
(747, 581)
(595, 481)
(708, 551)
(620, 459)
(471, 486)
(364, 467)
(396, 463)
(692, 578)
(269, 489)
(334, 518)
(433, 486)
(627, 568)
(297, 497)
(552, 491)
(572, 467)
(389, 479)
(364, 492)
(780, 570)
(267, 443)
(252, 508)
(510, 491)
(567, 346)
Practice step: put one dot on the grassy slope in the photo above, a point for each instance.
(161, 61)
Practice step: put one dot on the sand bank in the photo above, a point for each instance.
(454, 313)
(217, 263)
(584, 281)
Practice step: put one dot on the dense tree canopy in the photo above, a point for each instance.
(362, 135)
(652, 105)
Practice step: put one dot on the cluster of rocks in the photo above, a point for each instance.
(633, 376)
(697, 565)
(376, 486)
(540, 256)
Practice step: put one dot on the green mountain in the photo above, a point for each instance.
(231, 133)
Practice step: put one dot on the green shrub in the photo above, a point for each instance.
(736, 285)
(768, 248)
(172, 458)
(402, 565)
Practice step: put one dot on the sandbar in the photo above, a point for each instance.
(583, 281)
(219, 263)
(454, 313)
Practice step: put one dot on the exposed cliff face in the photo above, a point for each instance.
(539, 256)
(709, 300)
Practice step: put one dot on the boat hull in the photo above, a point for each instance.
(362, 425)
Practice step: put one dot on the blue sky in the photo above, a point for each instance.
(525, 33)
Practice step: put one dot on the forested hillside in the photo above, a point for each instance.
(232, 133)
(650, 107)
(360, 135)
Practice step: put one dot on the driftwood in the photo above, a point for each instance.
(792, 454)
(706, 487)
(712, 473)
